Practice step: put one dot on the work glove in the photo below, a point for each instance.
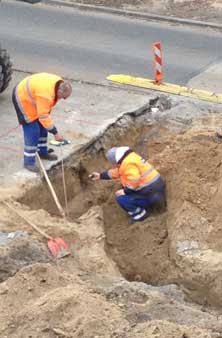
(94, 176)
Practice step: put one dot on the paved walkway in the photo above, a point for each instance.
(209, 79)
(83, 116)
(80, 118)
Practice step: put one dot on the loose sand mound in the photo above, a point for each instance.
(84, 295)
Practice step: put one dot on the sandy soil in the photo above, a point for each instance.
(84, 295)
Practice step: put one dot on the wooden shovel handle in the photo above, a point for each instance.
(51, 187)
(35, 227)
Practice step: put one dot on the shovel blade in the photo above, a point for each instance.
(58, 248)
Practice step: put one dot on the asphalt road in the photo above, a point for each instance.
(89, 46)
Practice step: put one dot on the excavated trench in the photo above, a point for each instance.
(147, 251)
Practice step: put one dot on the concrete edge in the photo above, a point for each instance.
(167, 88)
(134, 14)
(22, 175)
(105, 129)
(106, 83)
(30, 1)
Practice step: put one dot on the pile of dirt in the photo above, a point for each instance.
(20, 252)
(99, 290)
(44, 301)
(84, 295)
(178, 244)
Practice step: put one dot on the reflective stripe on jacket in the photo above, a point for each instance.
(134, 172)
(35, 96)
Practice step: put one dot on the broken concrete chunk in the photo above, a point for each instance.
(19, 252)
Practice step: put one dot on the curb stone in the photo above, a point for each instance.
(31, 1)
(135, 14)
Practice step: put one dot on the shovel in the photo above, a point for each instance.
(57, 246)
(62, 212)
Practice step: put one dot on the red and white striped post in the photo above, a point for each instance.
(158, 62)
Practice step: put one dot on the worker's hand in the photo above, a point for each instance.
(59, 137)
(120, 192)
(95, 176)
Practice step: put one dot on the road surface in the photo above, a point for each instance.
(89, 46)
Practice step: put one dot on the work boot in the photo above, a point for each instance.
(146, 215)
(50, 150)
(49, 156)
(32, 168)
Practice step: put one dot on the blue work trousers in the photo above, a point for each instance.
(35, 139)
(135, 204)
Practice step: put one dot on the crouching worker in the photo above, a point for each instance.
(142, 185)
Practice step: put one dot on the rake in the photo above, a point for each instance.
(57, 246)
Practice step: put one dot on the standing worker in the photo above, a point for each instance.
(142, 185)
(33, 99)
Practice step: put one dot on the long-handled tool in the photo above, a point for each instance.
(51, 187)
(64, 182)
(61, 144)
(57, 246)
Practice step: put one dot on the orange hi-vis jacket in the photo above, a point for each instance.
(36, 97)
(134, 172)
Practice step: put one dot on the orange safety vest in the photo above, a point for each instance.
(35, 96)
(134, 172)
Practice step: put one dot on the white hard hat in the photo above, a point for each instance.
(115, 154)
